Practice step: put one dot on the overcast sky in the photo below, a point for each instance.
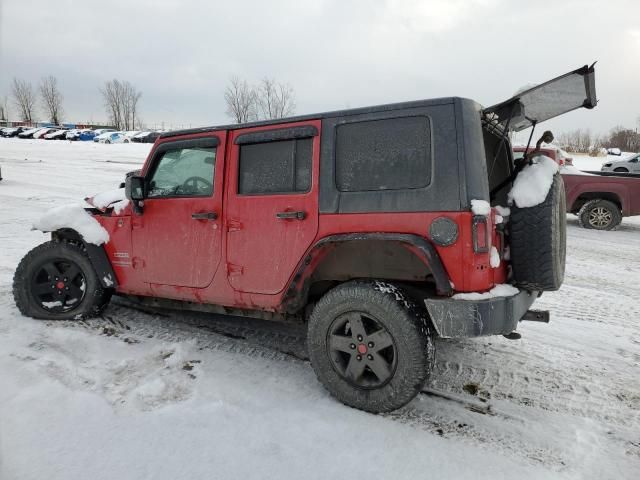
(334, 53)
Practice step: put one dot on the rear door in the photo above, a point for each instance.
(272, 203)
(177, 239)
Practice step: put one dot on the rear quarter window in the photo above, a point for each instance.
(387, 154)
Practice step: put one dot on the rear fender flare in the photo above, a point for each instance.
(96, 253)
(297, 290)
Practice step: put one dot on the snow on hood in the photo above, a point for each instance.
(76, 218)
(111, 197)
(533, 183)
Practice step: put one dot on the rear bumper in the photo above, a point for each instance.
(464, 318)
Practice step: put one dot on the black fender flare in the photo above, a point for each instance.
(96, 253)
(298, 287)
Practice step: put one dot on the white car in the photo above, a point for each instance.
(111, 137)
(29, 133)
(56, 134)
(43, 131)
(102, 131)
(627, 164)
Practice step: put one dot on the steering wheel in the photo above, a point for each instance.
(191, 184)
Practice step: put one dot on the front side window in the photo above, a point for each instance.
(275, 167)
(184, 172)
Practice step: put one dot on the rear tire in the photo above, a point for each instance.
(539, 241)
(56, 281)
(377, 323)
(600, 214)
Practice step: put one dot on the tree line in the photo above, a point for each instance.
(120, 99)
(268, 99)
(583, 141)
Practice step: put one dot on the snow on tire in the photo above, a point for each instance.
(538, 241)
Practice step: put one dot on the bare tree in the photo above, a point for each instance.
(51, 99)
(274, 99)
(121, 101)
(24, 98)
(241, 100)
(4, 108)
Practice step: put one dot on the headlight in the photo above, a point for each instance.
(607, 165)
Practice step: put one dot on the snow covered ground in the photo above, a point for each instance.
(164, 395)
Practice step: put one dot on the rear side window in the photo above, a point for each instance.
(389, 154)
(275, 167)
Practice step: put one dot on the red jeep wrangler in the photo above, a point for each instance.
(363, 223)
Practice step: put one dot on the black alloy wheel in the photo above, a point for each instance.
(58, 285)
(361, 350)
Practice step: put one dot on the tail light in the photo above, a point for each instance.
(481, 234)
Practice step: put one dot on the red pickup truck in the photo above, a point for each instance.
(599, 199)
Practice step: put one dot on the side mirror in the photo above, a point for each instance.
(134, 191)
(134, 188)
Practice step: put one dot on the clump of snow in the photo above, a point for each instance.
(104, 199)
(121, 205)
(494, 260)
(480, 207)
(74, 217)
(499, 219)
(533, 183)
(504, 211)
(500, 290)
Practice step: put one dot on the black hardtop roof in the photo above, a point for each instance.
(318, 116)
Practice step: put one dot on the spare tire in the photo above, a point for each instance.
(538, 237)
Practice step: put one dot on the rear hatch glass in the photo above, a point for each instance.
(563, 94)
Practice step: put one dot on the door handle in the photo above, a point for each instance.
(205, 216)
(291, 215)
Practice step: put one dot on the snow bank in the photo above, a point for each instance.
(76, 218)
(533, 183)
(502, 290)
(480, 207)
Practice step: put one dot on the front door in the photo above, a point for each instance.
(272, 203)
(177, 238)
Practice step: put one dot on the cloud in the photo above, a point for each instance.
(335, 53)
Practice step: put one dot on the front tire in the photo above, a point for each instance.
(621, 170)
(56, 281)
(370, 345)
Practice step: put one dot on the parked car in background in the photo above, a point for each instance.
(554, 152)
(30, 132)
(146, 137)
(601, 200)
(43, 131)
(86, 135)
(129, 135)
(56, 135)
(111, 137)
(629, 164)
(13, 131)
(100, 131)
